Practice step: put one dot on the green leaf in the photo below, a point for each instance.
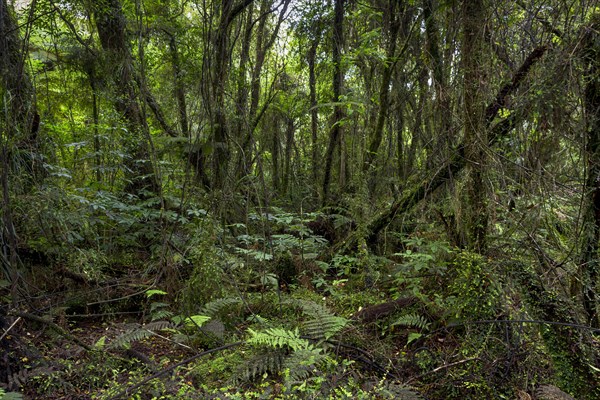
(100, 343)
(196, 320)
(152, 292)
(412, 336)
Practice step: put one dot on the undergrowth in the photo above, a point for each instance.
(254, 311)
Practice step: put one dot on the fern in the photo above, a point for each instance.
(412, 321)
(139, 332)
(323, 325)
(215, 307)
(278, 338)
(302, 363)
(270, 362)
(161, 315)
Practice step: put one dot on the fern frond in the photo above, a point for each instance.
(126, 339)
(323, 324)
(270, 362)
(10, 395)
(302, 363)
(278, 338)
(139, 332)
(158, 325)
(161, 315)
(215, 307)
(412, 321)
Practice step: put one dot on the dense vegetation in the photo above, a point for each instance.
(299, 199)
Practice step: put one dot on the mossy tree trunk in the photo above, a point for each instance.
(338, 78)
(19, 118)
(111, 25)
(475, 204)
(19, 127)
(589, 264)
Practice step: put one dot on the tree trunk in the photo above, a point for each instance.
(570, 346)
(275, 150)
(220, 134)
(19, 111)
(393, 21)
(289, 146)
(110, 22)
(338, 76)
(475, 136)
(263, 44)
(589, 264)
(179, 87)
(19, 125)
(314, 113)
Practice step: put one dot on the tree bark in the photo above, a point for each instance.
(338, 77)
(314, 113)
(110, 22)
(255, 113)
(20, 115)
(19, 126)
(573, 350)
(179, 87)
(475, 136)
(393, 21)
(589, 264)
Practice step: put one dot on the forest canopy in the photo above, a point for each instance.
(299, 199)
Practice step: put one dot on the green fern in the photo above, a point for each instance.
(139, 332)
(301, 364)
(322, 325)
(278, 338)
(161, 315)
(412, 321)
(265, 363)
(215, 307)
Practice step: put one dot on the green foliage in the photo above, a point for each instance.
(278, 338)
(475, 287)
(219, 306)
(205, 281)
(10, 395)
(321, 323)
(137, 332)
(423, 262)
(264, 363)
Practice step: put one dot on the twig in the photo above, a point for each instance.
(9, 328)
(440, 368)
